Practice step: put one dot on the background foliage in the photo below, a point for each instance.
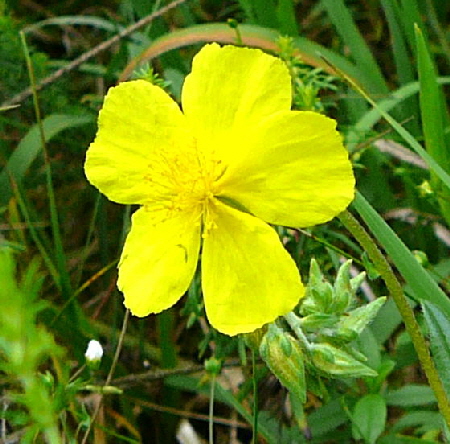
(60, 240)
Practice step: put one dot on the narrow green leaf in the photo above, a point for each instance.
(422, 418)
(286, 18)
(411, 395)
(397, 98)
(369, 418)
(403, 439)
(252, 35)
(30, 146)
(265, 12)
(246, 6)
(406, 135)
(403, 66)
(343, 21)
(410, 17)
(420, 282)
(386, 322)
(434, 119)
(434, 9)
(70, 20)
(8, 107)
(439, 326)
(327, 418)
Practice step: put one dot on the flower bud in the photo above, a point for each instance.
(358, 319)
(284, 357)
(336, 362)
(319, 293)
(343, 292)
(94, 353)
(213, 366)
(318, 321)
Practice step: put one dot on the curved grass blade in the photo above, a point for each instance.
(30, 146)
(256, 36)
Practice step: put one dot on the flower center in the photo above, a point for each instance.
(184, 181)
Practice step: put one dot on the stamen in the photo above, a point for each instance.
(184, 181)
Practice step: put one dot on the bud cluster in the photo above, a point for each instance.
(324, 331)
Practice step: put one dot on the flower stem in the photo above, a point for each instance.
(396, 291)
(294, 323)
(110, 375)
(211, 410)
(255, 399)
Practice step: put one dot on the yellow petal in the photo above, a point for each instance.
(158, 260)
(291, 169)
(137, 119)
(231, 87)
(248, 278)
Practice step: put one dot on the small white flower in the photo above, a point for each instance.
(94, 351)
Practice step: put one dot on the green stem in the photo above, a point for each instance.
(294, 322)
(54, 219)
(255, 399)
(233, 24)
(396, 291)
(110, 375)
(211, 410)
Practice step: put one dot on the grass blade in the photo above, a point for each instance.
(406, 135)
(352, 38)
(286, 18)
(311, 53)
(420, 282)
(30, 147)
(439, 326)
(403, 66)
(434, 119)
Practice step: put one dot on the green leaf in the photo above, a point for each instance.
(369, 418)
(369, 347)
(255, 36)
(410, 396)
(265, 13)
(419, 281)
(439, 325)
(286, 18)
(424, 419)
(284, 357)
(403, 439)
(343, 21)
(434, 119)
(398, 97)
(360, 317)
(70, 20)
(327, 418)
(30, 146)
(386, 322)
(406, 135)
(338, 363)
(404, 69)
(400, 52)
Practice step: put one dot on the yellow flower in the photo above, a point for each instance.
(211, 178)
